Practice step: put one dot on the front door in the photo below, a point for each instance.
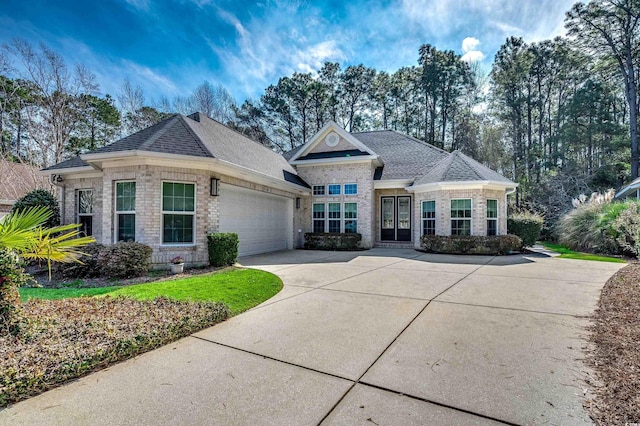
(395, 218)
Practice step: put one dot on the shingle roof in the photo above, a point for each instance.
(70, 163)
(404, 157)
(228, 145)
(17, 179)
(199, 136)
(457, 167)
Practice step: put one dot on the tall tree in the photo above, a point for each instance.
(612, 28)
(98, 124)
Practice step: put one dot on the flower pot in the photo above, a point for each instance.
(177, 268)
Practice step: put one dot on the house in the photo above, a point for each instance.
(170, 184)
(16, 180)
(630, 191)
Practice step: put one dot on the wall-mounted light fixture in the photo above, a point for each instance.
(213, 190)
(297, 202)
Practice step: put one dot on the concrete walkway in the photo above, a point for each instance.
(381, 337)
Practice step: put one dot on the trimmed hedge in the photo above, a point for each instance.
(332, 241)
(471, 244)
(525, 225)
(223, 248)
(125, 260)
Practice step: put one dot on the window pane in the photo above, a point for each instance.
(404, 213)
(86, 225)
(492, 227)
(461, 227)
(334, 189)
(125, 196)
(318, 189)
(387, 213)
(350, 210)
(318, 225)
(460, 208)
(350, 226)
(178, 197)
(429, 227)
(350, 188)
(334, 226)
(334, 212)
(126, 227)
(428, 209)
(492, 209)
(85, 201)
(318, 211)
(178, 228)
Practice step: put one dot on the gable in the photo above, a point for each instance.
(332, 142)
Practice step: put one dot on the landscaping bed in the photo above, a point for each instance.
(615, 358)
(64, 336)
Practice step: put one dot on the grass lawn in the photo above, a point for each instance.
(239, 289)
(570, 254)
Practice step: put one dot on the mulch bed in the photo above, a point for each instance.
(615, 358)
(60, 340)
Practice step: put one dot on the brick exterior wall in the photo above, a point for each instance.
(360, 173)
(148, 207)
(443, 210)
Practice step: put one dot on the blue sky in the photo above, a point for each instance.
(170, 47)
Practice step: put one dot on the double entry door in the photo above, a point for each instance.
(395, 218)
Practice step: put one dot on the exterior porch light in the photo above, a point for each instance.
(213, 190)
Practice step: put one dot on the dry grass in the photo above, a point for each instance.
(65, 339)
(615, 335)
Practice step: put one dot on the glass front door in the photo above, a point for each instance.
(395, 218)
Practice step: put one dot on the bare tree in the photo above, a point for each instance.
(50, 119)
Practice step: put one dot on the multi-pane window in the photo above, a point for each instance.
(350, 189)
(178, 212)
(85, 210)
(350, 218)
(492, 217)
(318, 189)
(318, 217)
(334, 217)
(429, 217)
(334, 189)
(125, 211)
(461, 217)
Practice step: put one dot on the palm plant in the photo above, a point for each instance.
(23, 234)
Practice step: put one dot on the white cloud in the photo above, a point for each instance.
(470, 50)
(139, 4)
(139, 73)
(470, 44)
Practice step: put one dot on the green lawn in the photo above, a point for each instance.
(570, 254)
(240, 289)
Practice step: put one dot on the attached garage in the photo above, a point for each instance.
(262, 221)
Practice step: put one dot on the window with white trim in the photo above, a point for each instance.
(125, 211)
(318, 189)
(178, 212)
(318, 217)
(350, 189)
(85, 210)
(429, 217)
(334, 189)
(492, 217)
(350, 218)
(335, 217)
(461, 217)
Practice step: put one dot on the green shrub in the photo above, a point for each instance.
(223, 248)
(471, 244)
(40, 198)
(89, 268)
(627, 229)
(588, 228)
(124, 260)
(332, 241)
(12, 276)
(525, 225)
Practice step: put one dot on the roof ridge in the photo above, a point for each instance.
(464, 158)
(195, 136)
(156, 135)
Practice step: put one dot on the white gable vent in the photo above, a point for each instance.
(332, 139)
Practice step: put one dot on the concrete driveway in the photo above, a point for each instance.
(381, 337)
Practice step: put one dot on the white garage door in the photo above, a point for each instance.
(262, 221)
